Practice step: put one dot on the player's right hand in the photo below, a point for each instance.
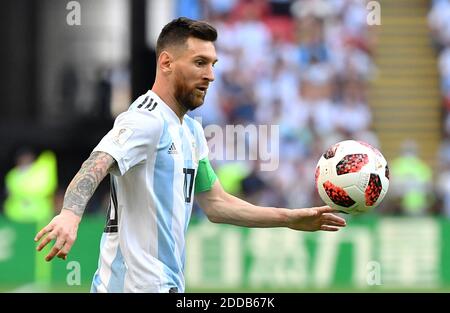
(317, 218)
(63, 229)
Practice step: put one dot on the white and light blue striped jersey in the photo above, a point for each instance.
(143, 246)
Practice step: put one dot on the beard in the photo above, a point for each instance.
(189, 98)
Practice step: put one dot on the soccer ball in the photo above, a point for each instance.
(352, 177)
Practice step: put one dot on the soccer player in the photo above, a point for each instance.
(157, 158)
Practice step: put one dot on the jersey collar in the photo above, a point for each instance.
(164, 107)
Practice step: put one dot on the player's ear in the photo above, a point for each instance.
(165, 60)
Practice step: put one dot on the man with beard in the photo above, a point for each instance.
(158, 158)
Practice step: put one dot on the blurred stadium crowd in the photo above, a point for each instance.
(302, 65)
(306, 66)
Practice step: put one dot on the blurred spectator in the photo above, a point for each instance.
(231, 175)
(280, 7)
(444, 69)
(31, 185)
(219, 7)
(305, 8)
(353, 108)
(68, 89)
(312, 46)
(443, 188)
(121, 90)
(253, 36)
(439, 23)
(103, 94)
(253, 186)
(411, 182)
(443, 178)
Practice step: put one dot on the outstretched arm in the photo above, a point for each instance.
(221, 207)
(63, 227)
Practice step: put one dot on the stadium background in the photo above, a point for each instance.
(316, 68)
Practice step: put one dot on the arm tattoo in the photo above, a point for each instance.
(83, 185)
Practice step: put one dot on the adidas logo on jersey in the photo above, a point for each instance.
(172, 149)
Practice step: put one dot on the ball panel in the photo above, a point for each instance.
(338, 195)
(373, 189)
(331, 152)
(352, 163)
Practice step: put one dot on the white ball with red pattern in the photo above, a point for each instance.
(352, 177)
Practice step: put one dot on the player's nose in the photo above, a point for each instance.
(209, 74)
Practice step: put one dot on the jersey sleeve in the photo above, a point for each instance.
(203, 149)
(134, 135)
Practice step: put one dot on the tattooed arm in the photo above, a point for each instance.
(83, 185)
(63, 227)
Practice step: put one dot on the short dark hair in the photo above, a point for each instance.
(179, 30)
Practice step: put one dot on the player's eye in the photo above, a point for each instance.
(200, 62)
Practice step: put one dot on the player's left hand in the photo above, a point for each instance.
(313, 219)
(63, 230)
